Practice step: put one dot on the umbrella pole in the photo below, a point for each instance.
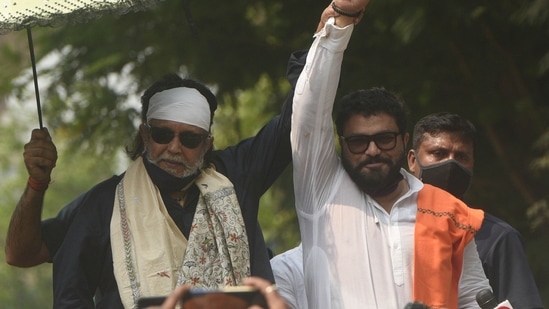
(35, 76)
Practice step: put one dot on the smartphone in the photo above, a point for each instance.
(232, 297)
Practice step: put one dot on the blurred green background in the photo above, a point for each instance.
(487, 60)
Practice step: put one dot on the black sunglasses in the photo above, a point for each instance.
(359, 143)
(164, 136)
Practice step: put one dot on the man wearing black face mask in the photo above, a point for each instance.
(449, 175)
(442, 155)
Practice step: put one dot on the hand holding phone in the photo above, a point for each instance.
(233, 297)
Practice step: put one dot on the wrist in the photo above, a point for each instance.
(345, 17)
(36, 185)
(346, 13)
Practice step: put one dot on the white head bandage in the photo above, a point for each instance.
(185, 105)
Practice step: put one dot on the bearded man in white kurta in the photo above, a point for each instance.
(373, 235)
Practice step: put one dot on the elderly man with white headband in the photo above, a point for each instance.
(181, 214)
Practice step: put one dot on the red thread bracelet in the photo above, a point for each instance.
(37, 186)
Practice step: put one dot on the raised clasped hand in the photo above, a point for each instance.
(352, 10)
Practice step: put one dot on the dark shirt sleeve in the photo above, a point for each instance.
(54, 229)
(255, 163)
(501, 250)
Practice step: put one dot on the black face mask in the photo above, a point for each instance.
(449, 175)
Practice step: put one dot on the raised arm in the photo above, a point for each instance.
(315, 161)
(24, 246)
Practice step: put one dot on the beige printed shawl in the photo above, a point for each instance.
(151, 255)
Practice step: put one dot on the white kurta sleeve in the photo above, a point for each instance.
(473, 279)
(315, 161)
(312, 136)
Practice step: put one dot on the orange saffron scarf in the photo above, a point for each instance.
(444, 226)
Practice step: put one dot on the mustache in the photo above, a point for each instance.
(186, 164)
(372, 160)
(176, 159)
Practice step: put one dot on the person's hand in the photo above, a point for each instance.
(172, 300)
(40, 156)
(350, 6)
(274, 300)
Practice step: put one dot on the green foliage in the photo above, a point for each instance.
(26, 288)
(487, 60)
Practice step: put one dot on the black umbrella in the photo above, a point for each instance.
(25, 14)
